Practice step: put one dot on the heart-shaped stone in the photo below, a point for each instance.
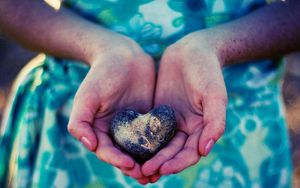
(143, 135)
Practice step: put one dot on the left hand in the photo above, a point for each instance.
(116, 80)
(190, 80)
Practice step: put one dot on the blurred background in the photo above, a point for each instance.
(13, 58)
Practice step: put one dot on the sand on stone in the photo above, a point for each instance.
(136, 129)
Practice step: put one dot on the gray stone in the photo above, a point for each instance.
(143, 135)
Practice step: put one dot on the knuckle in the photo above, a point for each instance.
(160, 156)
(71, 129)
(218, 89)
(171, 53)
(142, 182)
(128, 53)
(223, 98)
(216, 128)
(189, 150)
(220, 130)
(216, 92)
(194, 158)
(171, 50)
(100, 154)
(136, 174)
(77, 97)
(174, 147)
(176, 171)
(81, 92)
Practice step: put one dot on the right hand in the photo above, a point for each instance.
(190, 80)
(121, 76)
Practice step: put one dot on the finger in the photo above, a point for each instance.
(214, 114)
(144, 180)
(135, 172)
(176, 144)
(107, 152)
(155, 178)
(187, 157)
(84, 108)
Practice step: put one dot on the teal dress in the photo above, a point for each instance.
(36, 149)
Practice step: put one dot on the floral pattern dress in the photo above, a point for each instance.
(36, 149)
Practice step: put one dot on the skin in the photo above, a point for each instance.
(189, 78)
(110, 55)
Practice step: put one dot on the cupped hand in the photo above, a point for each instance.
(190, 80)
(120, 76)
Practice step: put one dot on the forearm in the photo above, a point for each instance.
(269, 32)
(40, 28)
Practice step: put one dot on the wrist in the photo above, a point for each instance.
(213, 43)
(108, 43)
(93, 44)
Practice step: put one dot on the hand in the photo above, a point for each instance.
(190, 80)
(121, 76)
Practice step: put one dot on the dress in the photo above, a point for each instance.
(37, 151)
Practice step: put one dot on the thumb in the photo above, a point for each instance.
(82, 116)
(214, 112)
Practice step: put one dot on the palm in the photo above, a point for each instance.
(176, 94)
(131, 89)
(189, 119)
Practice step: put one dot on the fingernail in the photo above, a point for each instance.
(208, 146)
(86, 143)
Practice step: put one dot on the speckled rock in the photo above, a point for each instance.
(143, 135)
